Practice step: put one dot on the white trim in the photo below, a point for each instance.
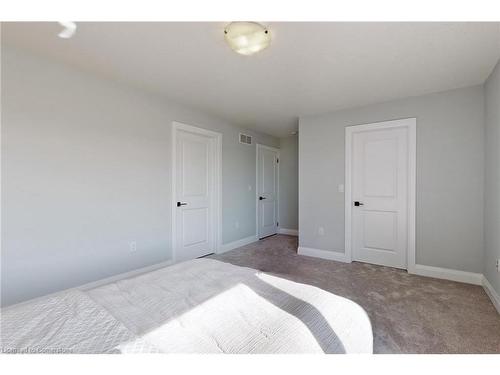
(449, 274)
(239, 243)
(125, 275)
(348, 196)
(421, 270)
(217, 198)
(410, 124)
(492, 293)
(290, 232)
(100, 282)
(277, 150)
(324, 254)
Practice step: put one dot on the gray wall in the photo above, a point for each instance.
(492, 179)
(289, 182)
(450, 175)
(86, 169)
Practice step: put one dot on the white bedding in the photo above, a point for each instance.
(69, 322)
(199, 306)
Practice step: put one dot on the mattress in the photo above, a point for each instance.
(198, 306)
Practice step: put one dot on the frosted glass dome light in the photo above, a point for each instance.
(247, 38)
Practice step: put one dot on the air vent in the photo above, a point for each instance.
(245, 139)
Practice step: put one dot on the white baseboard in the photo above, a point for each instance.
(492, 293)
(421, 270)
(290, 232)
(235, 244)
(125, 275)
(324, 254)
(449, 274)
(100, 282)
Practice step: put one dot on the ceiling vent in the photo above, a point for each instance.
(245, 139)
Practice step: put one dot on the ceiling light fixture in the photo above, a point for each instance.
(247, 38)
(68, 31)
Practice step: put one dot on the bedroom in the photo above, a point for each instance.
(250, 187)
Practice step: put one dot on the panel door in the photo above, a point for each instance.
(267, 192)
(380, 196)
(194, 195)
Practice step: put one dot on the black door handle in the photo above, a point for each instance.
(181, 204)
(261, 198)
(356, 203)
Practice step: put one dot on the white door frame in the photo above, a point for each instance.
(410, 124)
(216, 199)
(277, 150)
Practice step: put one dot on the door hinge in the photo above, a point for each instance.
(277, 224)
(277, 160)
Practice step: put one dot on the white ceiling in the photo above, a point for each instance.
(309, 67)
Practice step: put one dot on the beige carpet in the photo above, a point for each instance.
(409, 314)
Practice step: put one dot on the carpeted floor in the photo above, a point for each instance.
(409, 314)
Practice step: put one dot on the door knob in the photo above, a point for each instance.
(181, 204)
(261, 198)
(356, 203)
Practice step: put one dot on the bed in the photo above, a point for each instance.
(198, 306)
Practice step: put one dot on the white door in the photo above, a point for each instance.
(380, 196)
(267, 191)
(194, 202)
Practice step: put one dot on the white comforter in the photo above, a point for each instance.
(69, 322)
(199, 306)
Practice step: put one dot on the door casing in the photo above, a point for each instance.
(258, 148)
(410, 124)
(216, 201)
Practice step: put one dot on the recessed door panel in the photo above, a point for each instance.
(268, 172)
(380, 168)
(268, 214)
(380, 230)
(195, 177)
(195, 218)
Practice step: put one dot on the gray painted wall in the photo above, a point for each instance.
(492, 179)
(450, 175)
(86, 169)
(289, 182)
